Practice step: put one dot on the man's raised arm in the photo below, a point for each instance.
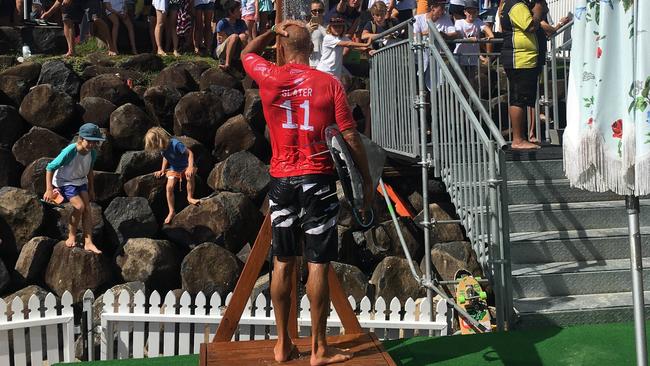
(260, 42)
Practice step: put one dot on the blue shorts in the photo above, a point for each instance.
(70, 191)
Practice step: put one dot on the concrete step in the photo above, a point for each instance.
(572, 216)
(537, 312)
(552, 191)
(574, 245)
(535, 170)
(574, 278)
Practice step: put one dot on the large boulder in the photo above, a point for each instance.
(253, 110)
(393, 278)
(47, 107)
(109, 87)
(12, 90)
(230, 218)
(135, 163)
(128, 125)
(144, 62)
(28, 71)
(33, 177)
(154, 262)
(195, 68)
(176, 77)
(123, 74)
(442, 233)
(10, 40)
(200, 271)
(130, 217)
(108, 185)
(26, 293)
(242, 172)
(202, 158)
(96, 110)
(46, 40)
(216, 76)
(33, 259)
(37, 143)
(61, 76)
(449, 258)
(5, 277)
(106, 159)
(353, 281)
(76, 270)
(11, 125)
(236, 134)
(160, 102)
(232, 100)
(10, 167)
(21, 215)
(198, 115)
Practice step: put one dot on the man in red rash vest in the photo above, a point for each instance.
(299, 103)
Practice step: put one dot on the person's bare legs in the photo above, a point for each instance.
(319, 300)
(87, 225)
(99, 29)
(518, 121)
(68, 32)
(171, 30)
(115, 20)
(78, 207)
(158, 33)
(190, 192)
(207, 31)
(169, 188)
(198, 30)
(283, 270)
(152, 33)
(231, 42)
(129, 28)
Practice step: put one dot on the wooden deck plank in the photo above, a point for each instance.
(367, 350)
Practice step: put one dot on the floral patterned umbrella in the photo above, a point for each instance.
(608, 106)
(607, 139)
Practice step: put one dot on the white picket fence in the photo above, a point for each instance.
(135, 328)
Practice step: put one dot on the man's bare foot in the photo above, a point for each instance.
(533, 139)
(524, 145)
(284, 352)
(90, 246)
(71, 242)
(169, 217)
(69, 54)
(162, 53)
(112, 53)
(176, 54)
(328, 356)
(193, 201)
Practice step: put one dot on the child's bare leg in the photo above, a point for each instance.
(87, 222)
(78, 208)
(170, 199)
(190, 192)
(129, 28)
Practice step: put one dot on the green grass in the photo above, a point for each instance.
(602, 344)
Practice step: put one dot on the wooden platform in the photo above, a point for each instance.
(368, 351)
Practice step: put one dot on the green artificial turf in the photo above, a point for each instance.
(602, 344)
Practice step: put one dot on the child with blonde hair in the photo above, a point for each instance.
(334, 43)
(178, 162)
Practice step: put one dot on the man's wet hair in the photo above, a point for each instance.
(298, 41)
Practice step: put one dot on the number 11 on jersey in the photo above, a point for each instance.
(289, 124)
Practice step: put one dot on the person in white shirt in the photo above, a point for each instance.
(436, 13)
(317, 31)
(334, 42)
(470, 28)
(116, 10)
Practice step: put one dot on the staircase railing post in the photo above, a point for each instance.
(494, 238)
(504, 238)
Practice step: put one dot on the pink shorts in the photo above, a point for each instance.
(249, 17)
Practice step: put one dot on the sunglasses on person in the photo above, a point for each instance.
(317, 11)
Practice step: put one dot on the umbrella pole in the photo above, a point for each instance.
(636, 266)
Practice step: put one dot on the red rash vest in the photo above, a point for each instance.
(298, 104)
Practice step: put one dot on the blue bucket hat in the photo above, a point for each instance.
(91, 132)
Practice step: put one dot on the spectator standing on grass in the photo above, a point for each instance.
(250, 14)
(166, 13)
(264, 8)
(232, 35)
(334, 42)
(184, 26)
(203, 13)
(72, 12)
(117, 12)
(521, 59)
(71, 176)
(317, 31)
(177, 164)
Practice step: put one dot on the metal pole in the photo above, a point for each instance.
(424, 156)
(636, 266)
(495, 240)
(26, 9)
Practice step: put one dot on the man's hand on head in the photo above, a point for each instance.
(280, 29)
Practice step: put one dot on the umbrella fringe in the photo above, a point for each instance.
(642, 170)
(591, 168)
